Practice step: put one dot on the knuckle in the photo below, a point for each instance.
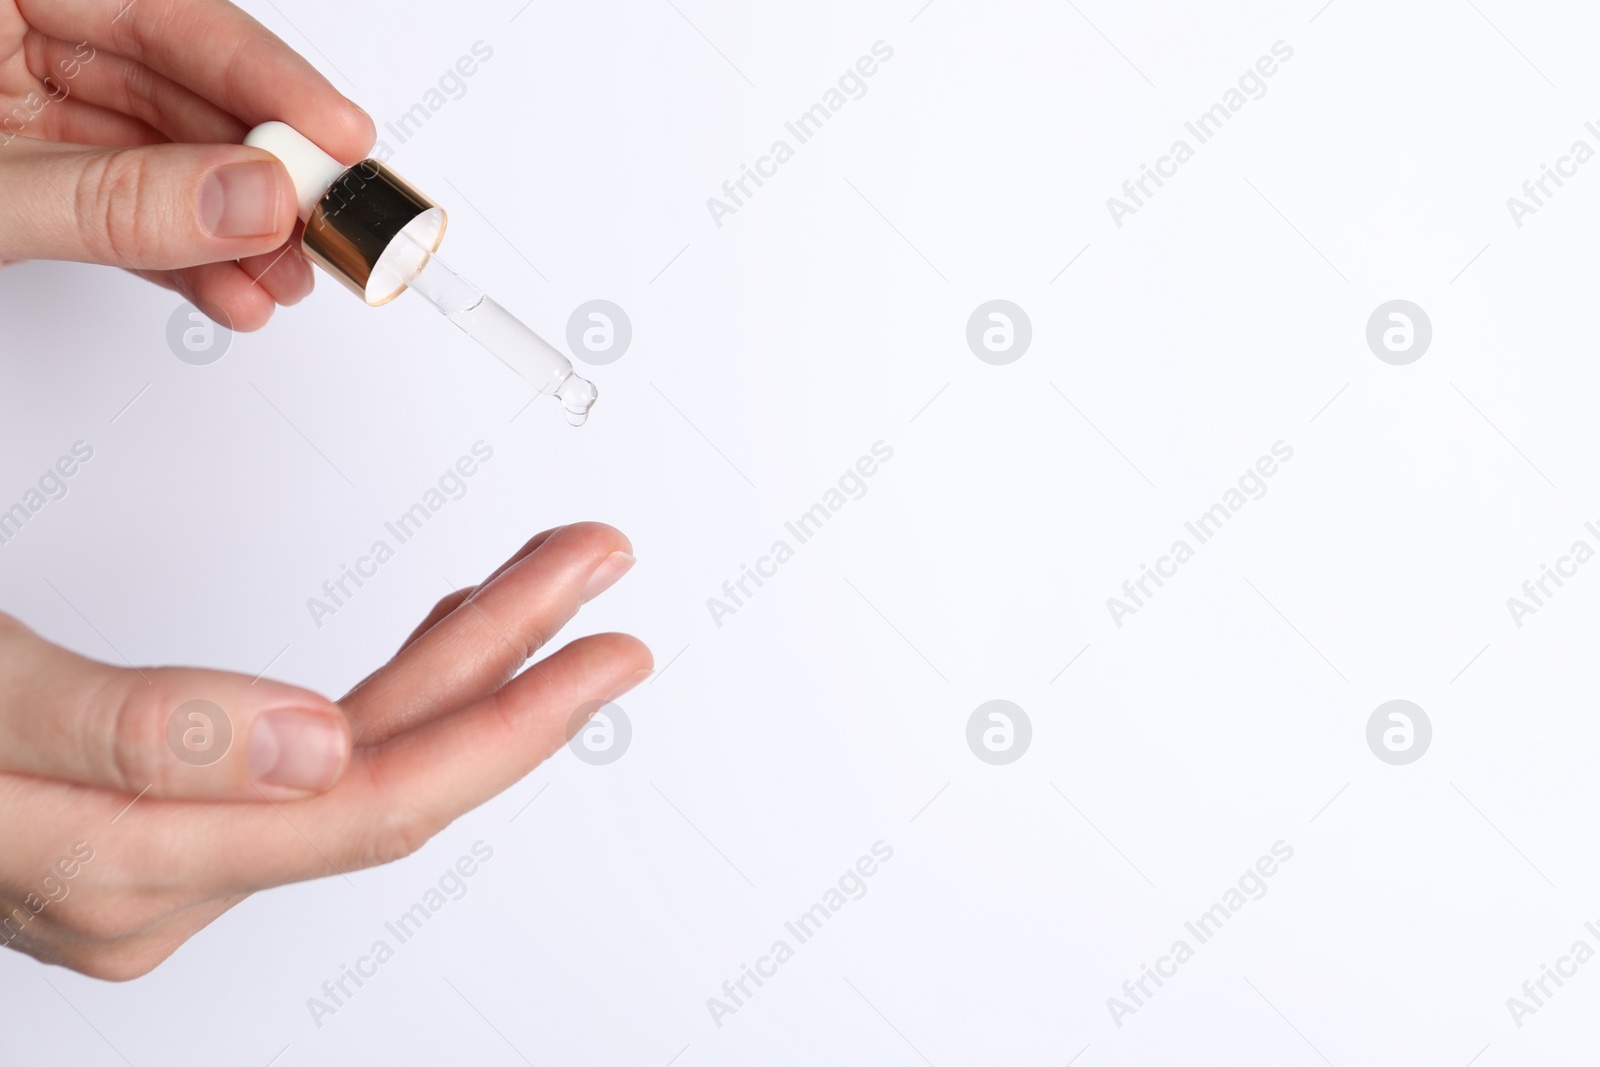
(124, 37)
(114, 207)
(139, 86)
(402, 831)
(132, 746)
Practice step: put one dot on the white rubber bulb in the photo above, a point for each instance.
(313, 170)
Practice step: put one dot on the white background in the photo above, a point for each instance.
(830, 712)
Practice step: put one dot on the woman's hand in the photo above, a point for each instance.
(121, 837)
(120, 123)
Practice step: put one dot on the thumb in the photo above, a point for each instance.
(178, 732)
(158, 207)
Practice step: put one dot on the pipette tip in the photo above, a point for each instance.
(577, 395)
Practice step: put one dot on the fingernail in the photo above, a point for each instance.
(295, 749)
(606, 575)
(240, 200)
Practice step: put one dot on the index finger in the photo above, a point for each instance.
(222, 54)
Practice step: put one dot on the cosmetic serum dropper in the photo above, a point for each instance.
(379, 236)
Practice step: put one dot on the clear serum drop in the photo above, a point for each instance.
(379, 236)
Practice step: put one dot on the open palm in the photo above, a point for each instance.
(114, 850)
